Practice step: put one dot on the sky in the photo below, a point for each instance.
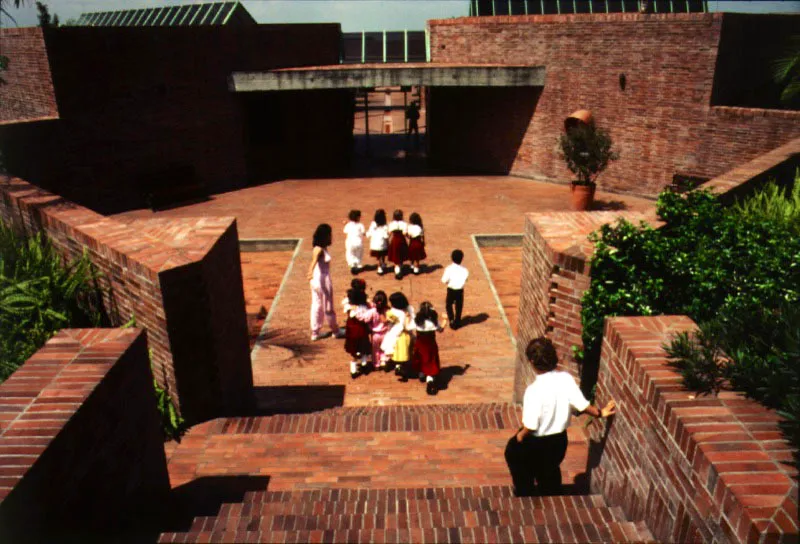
(354, 15)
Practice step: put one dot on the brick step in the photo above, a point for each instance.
(437, 417)
(392, 496)
(561, 532)
(478, 517)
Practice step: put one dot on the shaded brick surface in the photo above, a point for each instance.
(80, 439)
(664, 122)
(144, 111)
(181, 279)
(692, 467)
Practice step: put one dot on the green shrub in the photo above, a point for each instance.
(774, 203)
(735, 271)
(39, 296)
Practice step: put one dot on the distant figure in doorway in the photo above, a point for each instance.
(319, 278)
(412, 116)
(535, 452)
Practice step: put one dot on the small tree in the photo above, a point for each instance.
(45, 20)
(587, 152)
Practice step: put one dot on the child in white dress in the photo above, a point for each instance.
(378, 234)
(354, 243)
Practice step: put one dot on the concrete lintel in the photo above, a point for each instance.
(359, 78)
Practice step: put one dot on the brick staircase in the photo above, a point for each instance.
(424, 473)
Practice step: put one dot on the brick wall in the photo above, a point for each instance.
(555, 274)
(180, 278)
(694, 468)
(137, 103)
(28, 90)
(663, 122)
(81, 449)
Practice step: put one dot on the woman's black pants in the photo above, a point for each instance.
(535, 463)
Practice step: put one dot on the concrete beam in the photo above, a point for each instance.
(301, 79)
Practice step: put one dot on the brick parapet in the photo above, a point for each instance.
(148, 268)
(693, 467)
(569, 18)
(555, 274)
(81, 447)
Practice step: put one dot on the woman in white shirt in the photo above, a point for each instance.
(354, 243)
(535, 453)
(378, 234)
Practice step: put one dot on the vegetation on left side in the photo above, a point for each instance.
(39, 296)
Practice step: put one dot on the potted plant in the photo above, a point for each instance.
(587, 152)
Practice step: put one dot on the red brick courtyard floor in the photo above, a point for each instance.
(479, 358)
(375, 432)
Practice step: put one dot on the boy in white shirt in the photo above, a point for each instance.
(455, 276)
(535, 452)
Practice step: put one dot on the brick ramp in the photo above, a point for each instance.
(377, 474)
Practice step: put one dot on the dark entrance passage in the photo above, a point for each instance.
(478, 129)
(322, 121)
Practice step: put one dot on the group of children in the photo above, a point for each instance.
(392, 334)
(397, 241)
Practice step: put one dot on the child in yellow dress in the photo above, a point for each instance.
(397, 342)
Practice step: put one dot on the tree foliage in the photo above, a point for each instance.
(587, 152)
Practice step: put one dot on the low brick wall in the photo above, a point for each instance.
(81, 448)
(693, 468)
(555, 274)
(556, 255)
(180, 278)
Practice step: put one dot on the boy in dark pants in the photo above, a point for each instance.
(455, 276)
(535, 452)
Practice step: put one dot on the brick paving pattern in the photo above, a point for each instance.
(505, 268)
(478, 359)
(402, 465)
(262, 273)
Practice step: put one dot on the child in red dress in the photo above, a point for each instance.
(357, 342)
(416, 241)
(425, 357)
(398, 247)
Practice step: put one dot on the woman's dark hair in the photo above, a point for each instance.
(323, 236)
(398, 300)
(542, 354)
(397, 215)
(415, 219)
(358, 283)
(356, 297)
(354, 215)
(426, 313)
(380, 217)
(457, 256)
(380, 301)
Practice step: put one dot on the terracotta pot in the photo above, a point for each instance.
(580, 117)
(582, 197)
